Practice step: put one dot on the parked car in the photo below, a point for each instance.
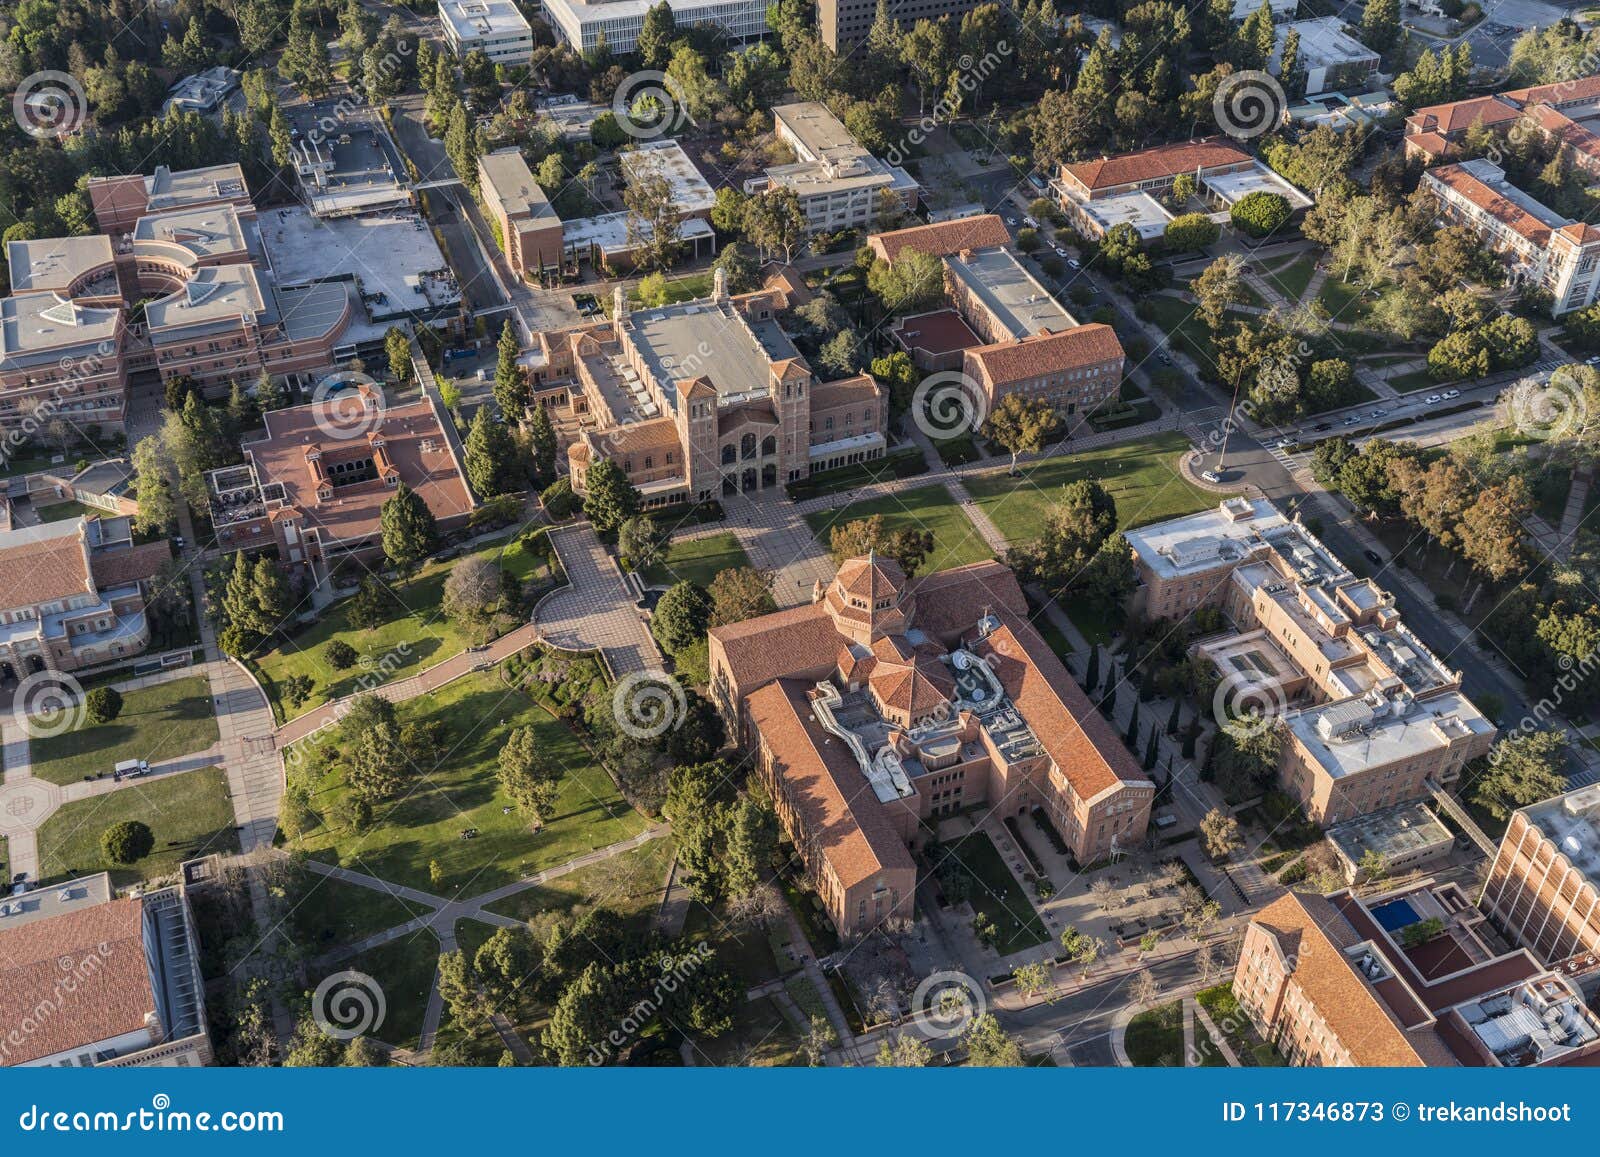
(1030, 222)
(1074, 263)
(1060, 252)
(130, 769)
(1373, 556)
(1433, 399)
(1211, 476)
(1012, 221)
(1448, 394)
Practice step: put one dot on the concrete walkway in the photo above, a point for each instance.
(596, 609)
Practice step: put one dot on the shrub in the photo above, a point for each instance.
(559, 500)
(104, 704)
(127, 841)
(1260, 213)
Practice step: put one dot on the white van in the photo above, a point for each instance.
(131, 767)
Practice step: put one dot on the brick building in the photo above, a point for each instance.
(890, 702)
(530, 231)
(1543, 889)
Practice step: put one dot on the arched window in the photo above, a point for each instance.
(747, 446)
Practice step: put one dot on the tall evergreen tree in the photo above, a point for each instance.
(491, 456)
(510, 386)
(408, 529)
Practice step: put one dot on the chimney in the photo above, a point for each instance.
(719, 286)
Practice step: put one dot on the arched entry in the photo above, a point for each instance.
(769, 475)
(35, 664)
(748, 481)
(729, 454)
(730, 485)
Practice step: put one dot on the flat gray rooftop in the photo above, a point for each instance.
(1021, 304)
(698, 339)
(1392, 832)
(388, 253)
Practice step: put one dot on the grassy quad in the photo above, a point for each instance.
(629, 884)
(1142, 476)
(325, 913)
(698, 560)
(956, 541)
(401, 647)
(995, 893)
(156, 723)
(403, 970)
(425, 824)
(189, 813)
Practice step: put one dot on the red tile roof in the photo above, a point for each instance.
(101, 951)
(784, 643)
(1485, 197)
(1082, 744)
(1561, 92)
(1006, 363)
(839, 810)
(1460, 115)
(942, 239)
(43, 564)
(1152, 164)
(845, 391)
(950, 601)
(125, 566)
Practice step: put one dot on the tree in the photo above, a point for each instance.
(372, 605)
(510, 386)
(1032, 980)
(542, 444)
(775, 220)
(407, 528)
(341, 656)
(1380, 25)
(1260, 213)
(740, 593)
(490, 455)
(1022, 425)
(908, 546)
(297, 689)
(398, 346)
(700, 734)
(682, 617)
(739, 266)
(103, 704)
(1521, 769)
(903, 1051)
(1075, 529)
(461, 146)
(1491, 529)
(1190, 231)
(653, 225)
(528, 779)
(1143, 989)
(989, 1046)
(611, 499)
(369, 745)
(642, 542)
(1081, 948)
(657, 35)
(472, 591)
(158, 508)
(126, 841)
(1220, 833)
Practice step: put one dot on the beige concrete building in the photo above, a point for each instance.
(890, 702)
(1370, 718)
(530, 231)
(1543, 889)
(840, 184)
(1407, 979)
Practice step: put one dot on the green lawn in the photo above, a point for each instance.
(995, 893)
(761, 1037)
(189, 814)
(402, 971)
(698, 560)
(462, 792)
(1414, 382)
(325, 912)
(61, 511)
(1294, 279)
(1155, 1037)
(517, 559)
(955, 540)
(1345, 301)
(1142, 476)
(1184, 330)
(629, 884)
(156, 723)
(401, 647)
(696, 285)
